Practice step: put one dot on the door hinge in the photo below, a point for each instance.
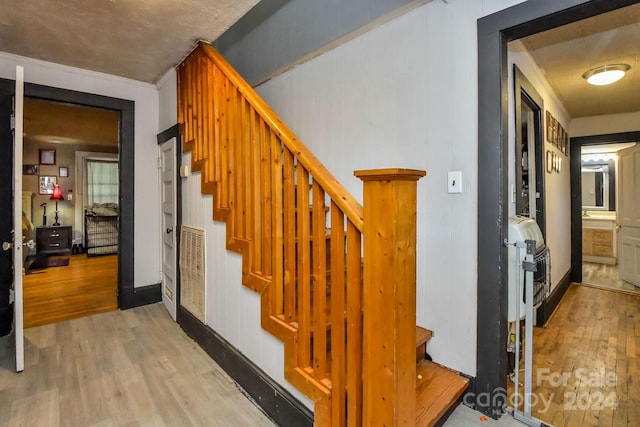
(12, 296)
(159, 162)
(161, 276)
(13, 121)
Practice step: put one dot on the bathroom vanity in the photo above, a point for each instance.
(599, 237)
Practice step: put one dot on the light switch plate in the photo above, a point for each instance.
(454, 182)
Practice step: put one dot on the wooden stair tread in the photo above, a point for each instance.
(437, 389)
(422, 335)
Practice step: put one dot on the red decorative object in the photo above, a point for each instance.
(57, 195)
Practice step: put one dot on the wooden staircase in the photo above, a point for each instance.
(342, 304)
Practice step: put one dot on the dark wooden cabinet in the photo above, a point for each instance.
(53, 240)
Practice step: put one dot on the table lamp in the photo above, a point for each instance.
(57, 195)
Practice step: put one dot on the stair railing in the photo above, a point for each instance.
(302, 236)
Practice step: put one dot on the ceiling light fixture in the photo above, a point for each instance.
(606, 74)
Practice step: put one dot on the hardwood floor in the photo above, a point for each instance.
(605, 276)
(586, 361)
(86, 286)
(133, 368)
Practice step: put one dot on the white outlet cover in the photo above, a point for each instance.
(454, 182)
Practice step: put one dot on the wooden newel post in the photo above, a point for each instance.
(389, 298)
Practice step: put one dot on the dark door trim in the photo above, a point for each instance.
(576, 145)
(126, 168)
(527, 94)
(164, 136)
(494, 32)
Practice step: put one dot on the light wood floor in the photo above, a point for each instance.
(593, 340)
(605, 276)
(86, 286)
(122, 368)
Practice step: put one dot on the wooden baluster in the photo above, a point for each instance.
(198, 107)
(303, 233)
(218, 78)
(389, 328)
(277, 228)
(246, 164)
(224, 145)
(189, 82)
(289, 237)
(181, 103)
(255, 190)
(354, 326)
(241, 177)
(207, 121)
(265, 204)
(319, 258)
(337, 298)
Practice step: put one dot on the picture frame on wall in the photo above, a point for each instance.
(63, 172)
(549, 161)
(30, 169)
(47, 157)
(46, 184)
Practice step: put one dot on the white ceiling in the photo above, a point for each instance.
(566, 52)
(138, 39)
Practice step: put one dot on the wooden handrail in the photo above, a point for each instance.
(345, 201)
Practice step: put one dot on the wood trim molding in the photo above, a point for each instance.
(274, 400)
(547, 308)
(131, 297)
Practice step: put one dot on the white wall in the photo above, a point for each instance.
(601, 125)
(405, 95)
(145, 96)
(557, 185)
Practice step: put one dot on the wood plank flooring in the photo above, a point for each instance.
(586, 361)
(605, 276)
(86, 286)
(121, 368)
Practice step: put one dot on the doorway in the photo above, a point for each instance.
(72, 269)
(494, 32)
(597, 262)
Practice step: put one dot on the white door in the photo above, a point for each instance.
(17, 219)
(629, 214)
(169, 221)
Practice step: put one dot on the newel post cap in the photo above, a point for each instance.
(390, 174)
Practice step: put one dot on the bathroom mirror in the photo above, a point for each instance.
(598, 186)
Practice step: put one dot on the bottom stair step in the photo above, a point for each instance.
(437, 389)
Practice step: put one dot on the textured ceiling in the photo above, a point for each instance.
(565, 53)
(138, 39)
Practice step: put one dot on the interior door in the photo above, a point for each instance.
(629, 214)
(169, 234)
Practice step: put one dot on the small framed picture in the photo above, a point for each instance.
(549, 161)
(64, 172)
(30, 170)
(46, 184)
(47, 157)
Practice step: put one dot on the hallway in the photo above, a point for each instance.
(134, 368)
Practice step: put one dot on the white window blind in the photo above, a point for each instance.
(102, 181)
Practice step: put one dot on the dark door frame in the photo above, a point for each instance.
(126, 170)
(487, 391)
(527, 94)
(576, 145)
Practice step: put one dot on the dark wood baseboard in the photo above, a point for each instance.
(131, 297)
(546, 308)
(274, 400)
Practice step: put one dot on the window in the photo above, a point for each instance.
(102, 181)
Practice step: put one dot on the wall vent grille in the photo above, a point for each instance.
(192, 274)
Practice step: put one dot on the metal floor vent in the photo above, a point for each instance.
(192, 274)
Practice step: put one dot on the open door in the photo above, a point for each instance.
(11, 256)
(629, 214)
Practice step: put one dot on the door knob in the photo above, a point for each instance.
(169, 230)
(6, 246)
